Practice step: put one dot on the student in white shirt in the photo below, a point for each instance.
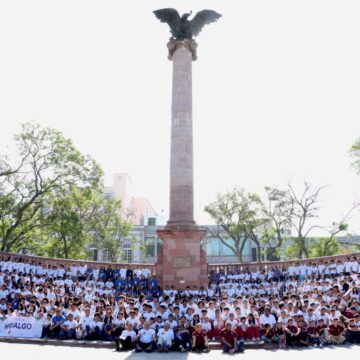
(146, 338)
(127, 339)
(165, 338)
(68, 328)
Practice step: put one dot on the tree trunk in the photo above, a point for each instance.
(66, 250)
(239, 256)
(302, 248)
(258, 252)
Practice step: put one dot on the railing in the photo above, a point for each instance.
(279, 264)
(45, 261)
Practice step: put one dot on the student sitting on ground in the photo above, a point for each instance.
(292, 333)
(199, 339)
(165, 338)
(68, 328)
(146, 338)
(313, 334)
(269, 335)
(336, 332)
(229, 341)
(127, 339)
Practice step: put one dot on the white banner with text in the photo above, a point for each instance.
(22, 327)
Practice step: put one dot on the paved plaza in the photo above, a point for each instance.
(35, 352)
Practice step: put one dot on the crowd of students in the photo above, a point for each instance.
(301, 305)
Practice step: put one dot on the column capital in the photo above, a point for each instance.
(189, 44)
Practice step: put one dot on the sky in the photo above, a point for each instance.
(276, 91)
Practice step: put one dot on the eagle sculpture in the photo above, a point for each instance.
(180, 27)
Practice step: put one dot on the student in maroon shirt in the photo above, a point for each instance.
(323, 332)
(313, 334)
(336, 331)
(292, 333)
(229, 341)
(269, 335)
(199, 339)
(303, 335)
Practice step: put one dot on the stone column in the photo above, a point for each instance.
(181, 260)
(182, 53)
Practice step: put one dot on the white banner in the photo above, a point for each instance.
(22, 327)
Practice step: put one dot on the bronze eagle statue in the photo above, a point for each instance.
(180, 27)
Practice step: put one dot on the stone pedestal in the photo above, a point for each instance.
(181, 260)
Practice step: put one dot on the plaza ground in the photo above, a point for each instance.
(36, 352)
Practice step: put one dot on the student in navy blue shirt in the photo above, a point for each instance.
(143, 282)
(136, 282)
(129, 286)
(153, 284)
(122, 284)
(56, 322)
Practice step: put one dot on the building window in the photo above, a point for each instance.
(212, 247)
(127, 253)
(149, 247)
(226, 250)
(151, 221)
(106, 256)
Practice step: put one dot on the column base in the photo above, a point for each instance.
(181, 260)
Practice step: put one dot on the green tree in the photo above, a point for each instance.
(48, 164)
(239, 214)
(67, 223)
(327, 246)
(111, 229)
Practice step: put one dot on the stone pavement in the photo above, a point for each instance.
(36, 352)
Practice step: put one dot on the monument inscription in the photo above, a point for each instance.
(182, 262)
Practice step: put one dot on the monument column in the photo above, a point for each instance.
(181, 52)
(181, 260)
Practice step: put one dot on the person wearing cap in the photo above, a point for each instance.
(228, 338)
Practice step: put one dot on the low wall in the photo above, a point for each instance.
(279, 264)
(217, 266)
(68, 262)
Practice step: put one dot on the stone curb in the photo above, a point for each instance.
(109, 345)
